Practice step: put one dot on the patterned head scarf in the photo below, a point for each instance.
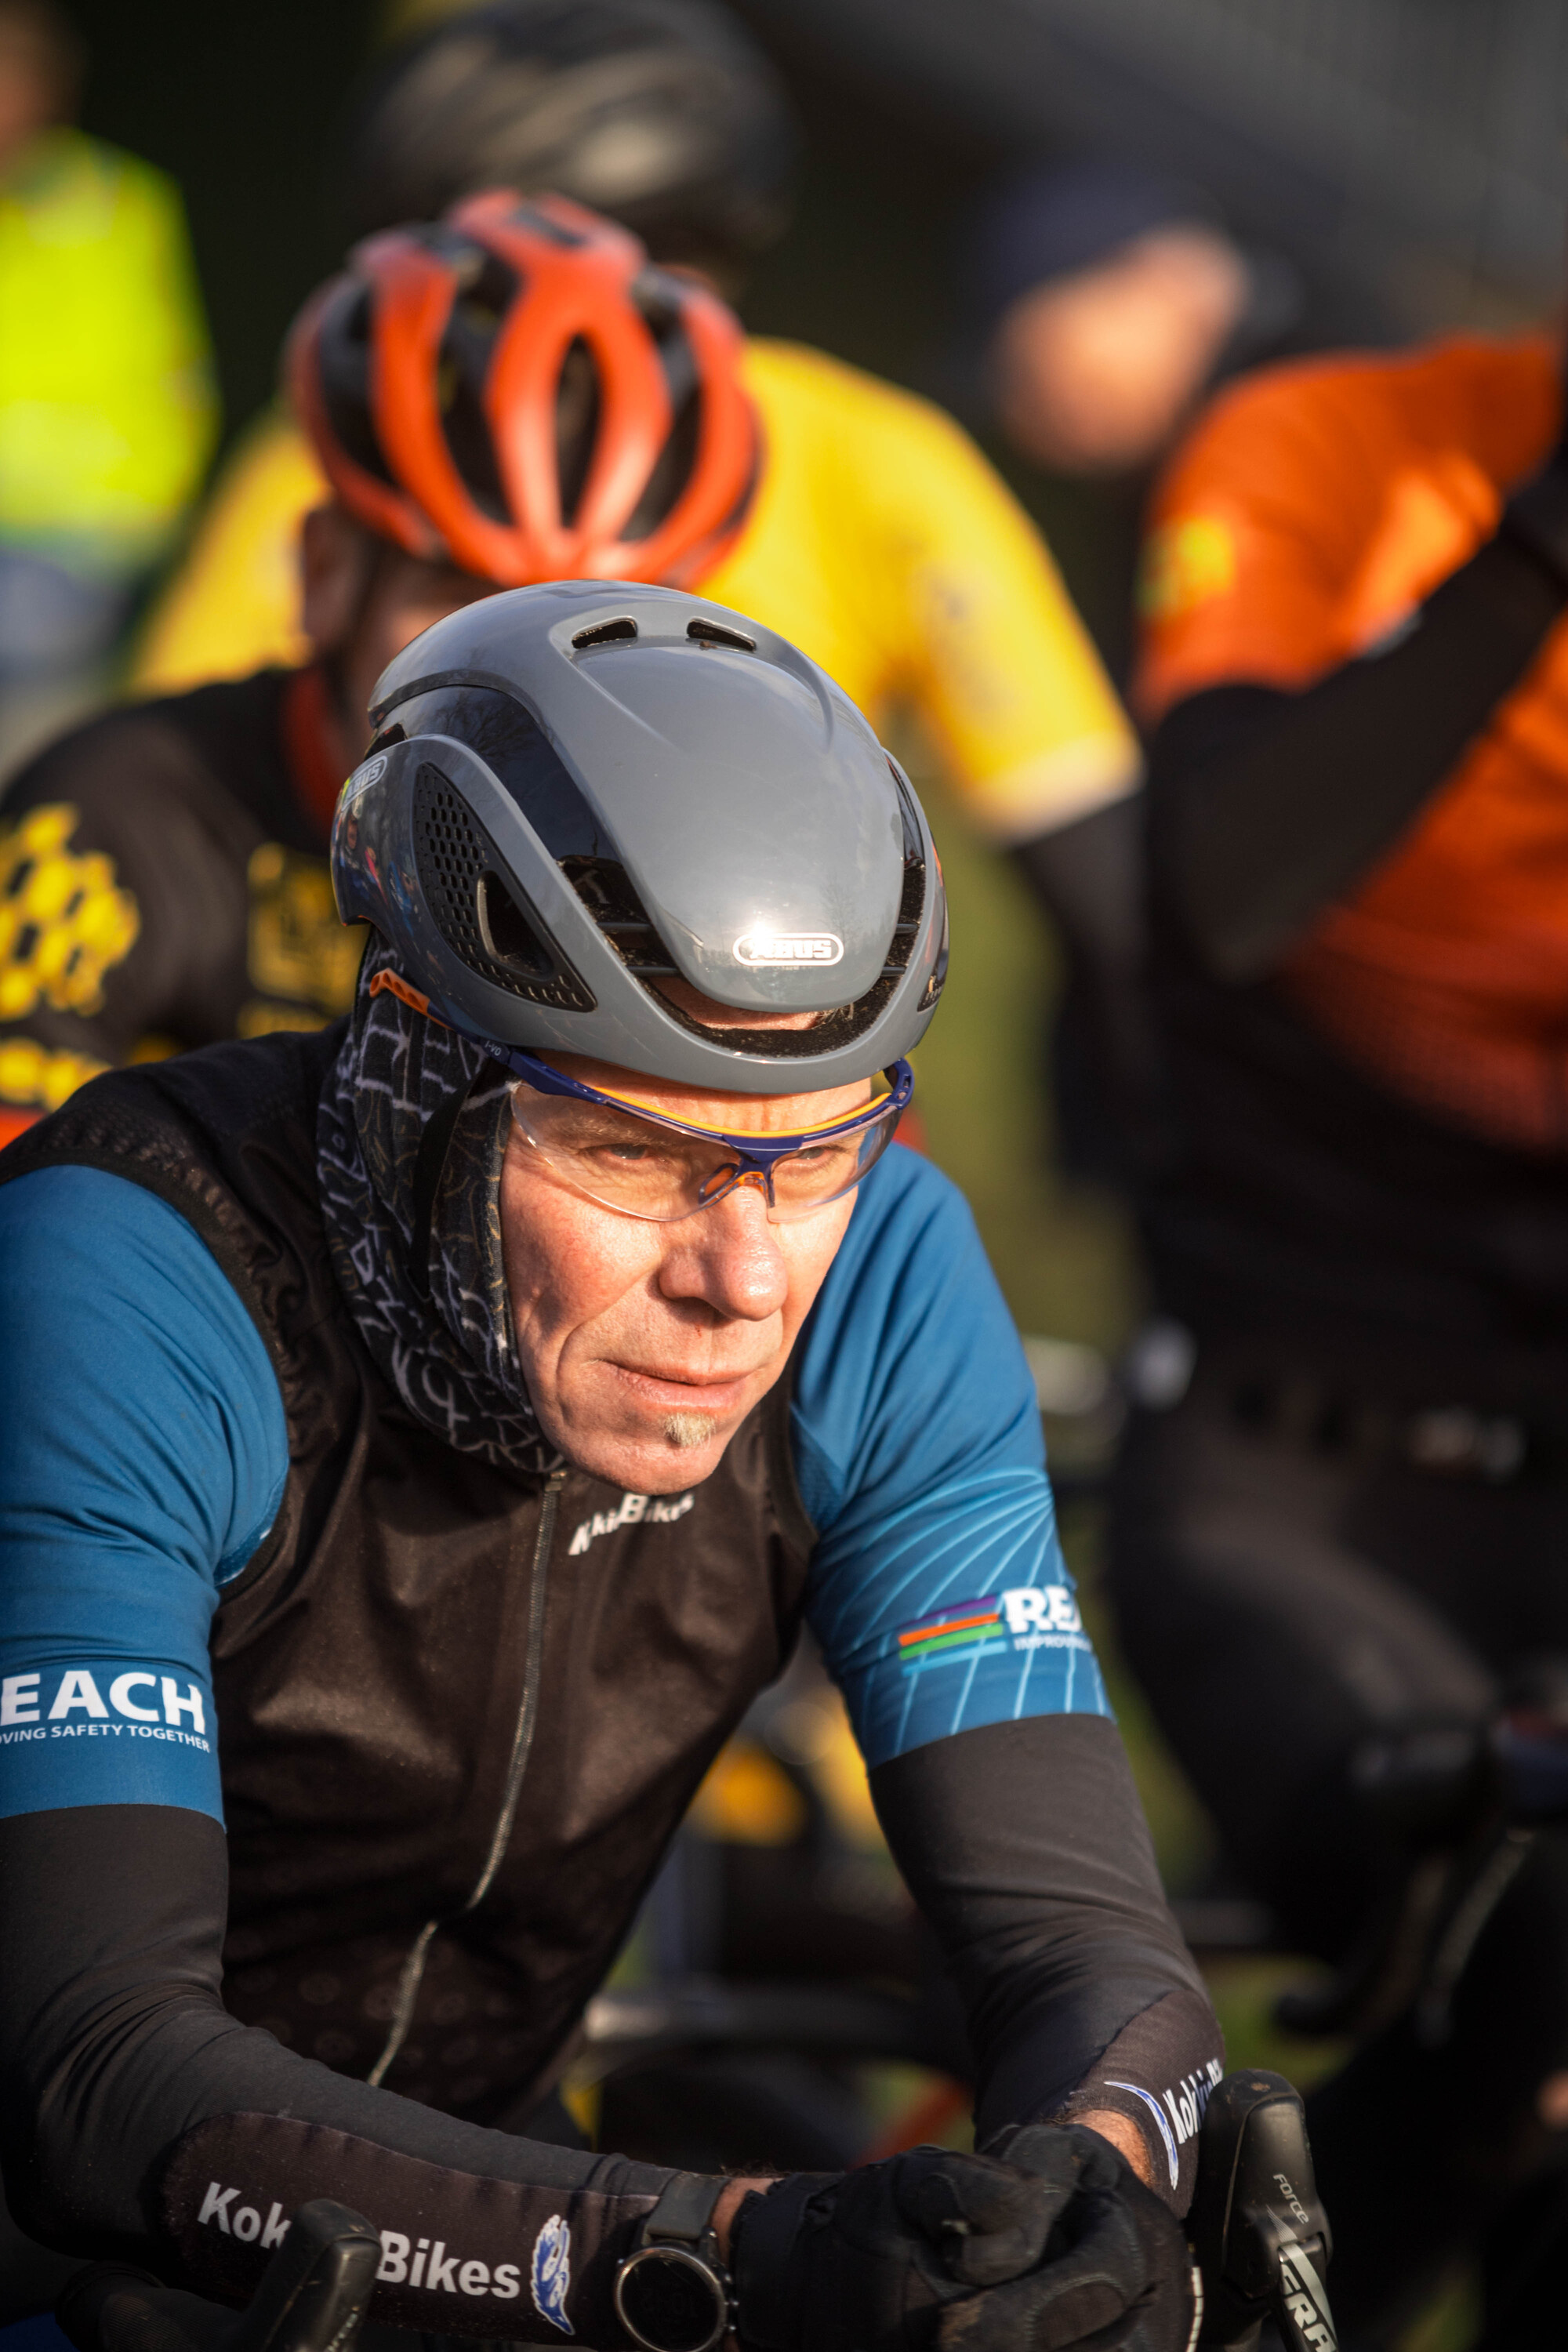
(451, 1357)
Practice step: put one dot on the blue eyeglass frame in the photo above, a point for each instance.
(758, 1155)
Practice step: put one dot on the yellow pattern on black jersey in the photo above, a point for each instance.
(37, 1078)
(300, 956)
(64, 920)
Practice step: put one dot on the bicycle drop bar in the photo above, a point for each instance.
(312, 2297)
(1260, 2236)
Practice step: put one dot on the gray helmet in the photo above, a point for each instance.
(578, 791)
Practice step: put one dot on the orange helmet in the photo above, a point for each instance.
(514, 389)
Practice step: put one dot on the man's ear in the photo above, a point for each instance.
(336, 555)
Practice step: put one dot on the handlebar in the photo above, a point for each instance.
(1462, 1804)
(1259, 2235)
(313, 2296)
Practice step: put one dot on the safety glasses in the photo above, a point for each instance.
(630, 1158)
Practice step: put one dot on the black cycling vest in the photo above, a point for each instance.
(436, 1677)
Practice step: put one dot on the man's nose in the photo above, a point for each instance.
(728, 1255)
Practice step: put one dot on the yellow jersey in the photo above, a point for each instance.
(879, 541)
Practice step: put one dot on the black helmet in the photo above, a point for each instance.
(582, 791)
(662, 113)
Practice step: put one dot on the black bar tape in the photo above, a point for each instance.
(461, 2254)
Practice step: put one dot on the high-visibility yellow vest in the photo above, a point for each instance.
(107, 405)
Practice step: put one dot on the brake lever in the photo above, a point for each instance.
(1258, 2231)
(312, 2297)
(315, 2291)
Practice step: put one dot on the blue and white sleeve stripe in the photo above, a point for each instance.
(938, 1590)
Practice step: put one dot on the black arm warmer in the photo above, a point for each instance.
(137, 2117)
(1090, 879)
(1024, 1845)
(1264, 807)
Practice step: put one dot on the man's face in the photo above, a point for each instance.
(1095, 371)
(364, 600)
(645, 1346)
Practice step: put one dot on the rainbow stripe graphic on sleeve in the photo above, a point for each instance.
(962, 1631)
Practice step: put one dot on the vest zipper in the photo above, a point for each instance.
(412, 1973)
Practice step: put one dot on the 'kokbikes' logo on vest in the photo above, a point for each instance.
(631, 1510)
(102, 1702)
(1029, 1617)
(551, 2273)
(405, 2262)
(1177, 2112)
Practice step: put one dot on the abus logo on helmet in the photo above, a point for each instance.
(365, 776)
(787, 951)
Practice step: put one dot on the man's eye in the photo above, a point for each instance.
(617, 1149)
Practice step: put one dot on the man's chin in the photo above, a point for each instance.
(660, 1454)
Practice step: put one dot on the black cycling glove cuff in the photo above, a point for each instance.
(1158, 2072)
(462, 2254)
(762, 2242)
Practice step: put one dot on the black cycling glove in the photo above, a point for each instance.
(1118, 2268)
(1061, 2243)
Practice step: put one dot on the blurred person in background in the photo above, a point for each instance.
(1104, 304)
(107, 409)
(661, 113)
(1101, 303)
(1341, 1513)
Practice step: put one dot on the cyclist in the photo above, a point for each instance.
(1339, 1543)
(163, 870)
(106, 407)
(662, 113)
(435, 1429)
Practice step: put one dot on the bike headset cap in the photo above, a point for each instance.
(515, 390)
(663, 113)
(578, 793)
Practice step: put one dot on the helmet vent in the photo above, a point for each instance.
(608, 891)
(705, 631)
(479, 913)
(828, 1033)
(605, 632)
(505, 930)
(912, 897)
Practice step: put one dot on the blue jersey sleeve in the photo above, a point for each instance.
(938, 1589)
(142, 1455)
